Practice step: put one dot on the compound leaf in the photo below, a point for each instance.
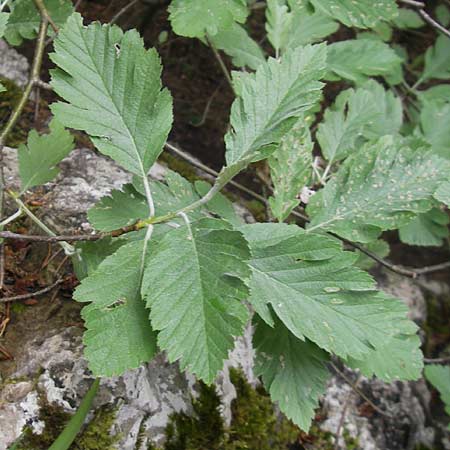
(437, 60)
(294, 372)
(269, 102)
(381, 187)
(361, 13)
(428, 229)
(24, 20)
(113, 87)
(196, 18)
(320, 295)
(358, 59)
(119, 335)
(193, 284)
(290, 169)
(38, 158)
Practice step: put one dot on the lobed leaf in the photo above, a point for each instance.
(443, 193)
(193, 284)
(39, 157)
(361, 13)
(269, 102)
(358, 59)
(434, 119)
(437, 60)
(278, 22)
(294, 372)
(290, 169)
(113, 89)
(119, 335)
(439, 377)
(25, 19)
(196, 18)
(381, 187)
(428, 229)
(313, 287)
(236, 43)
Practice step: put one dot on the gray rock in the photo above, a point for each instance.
(13, 65)
(146, 397)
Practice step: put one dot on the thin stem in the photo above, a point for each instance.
(32, 294)
(45, 16)
(9, 219)
(434, 23)
(68, 249)
(123, 11)
(220, 61)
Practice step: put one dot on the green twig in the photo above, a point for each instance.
(66, 438)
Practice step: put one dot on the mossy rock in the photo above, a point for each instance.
(96, 435)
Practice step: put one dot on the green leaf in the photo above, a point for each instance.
(379, 247)
(428, 229)
(358, 59)
(307, 27)
(360, 14)
(443, 15)
(408, 19)
(399, 359)
(381, 187)
(434, 119)
(443, 193)
(89, 255)
(2, 88)
(390, 109)
(437, 60)
(196, 18)
(193, 284)
(439, 377)
(219, 204)
(119, 335)
(278, 20)
(294, 372)
(435, 94)
(236, 42)
(120, 209)
(314, 289)
(114, 92)
(24, 20)
(345, 122)
(269, 102)
(290, 169)
(3, 21)
(38, 158)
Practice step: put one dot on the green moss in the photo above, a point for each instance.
(350, 442)
(95, 436)
(255, 425)
(320, 439)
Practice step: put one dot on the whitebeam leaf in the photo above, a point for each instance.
(38, 158)
(290, 169)
(271, 100)
(381, 187)
(235, 42)
(113, 88)
(294, 372)
(314, 289)
(25, 19)
(193, 284)
(119, 335)
(358, 59)
(195, 18)
(278, 20)
(360, 13)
